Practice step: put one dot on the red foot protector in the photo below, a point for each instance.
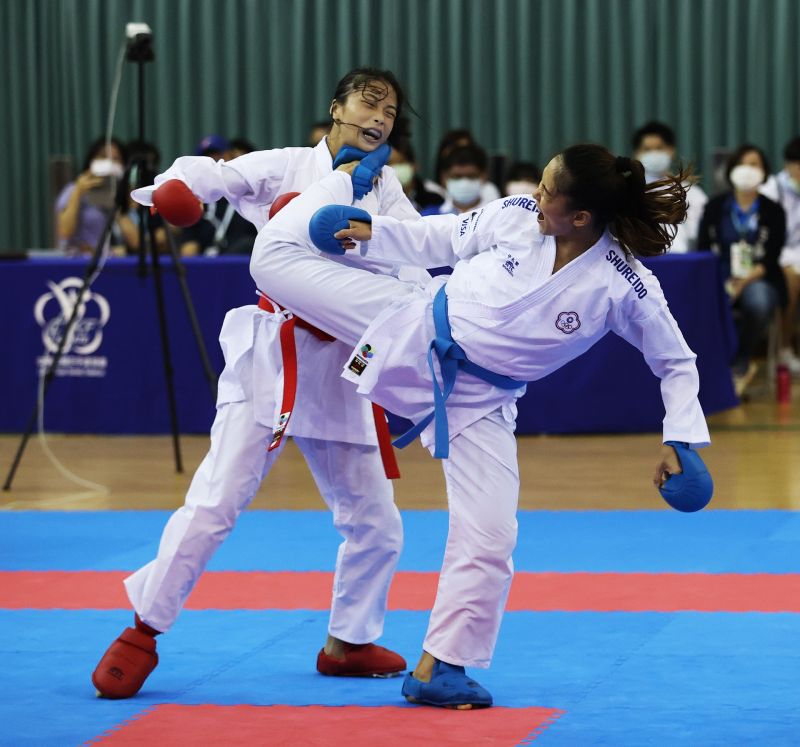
(324, 726)
(126, 665)
(361, 660)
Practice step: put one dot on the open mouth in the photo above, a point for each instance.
(372, 134)
(540, 217)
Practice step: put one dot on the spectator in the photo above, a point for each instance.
(747, 231)
(84, 206)
(221, 230)
(654, 145)
(464, 174)
(450, 141)
(522, 179)
(239, 146)
(405, 168)
(784, 188)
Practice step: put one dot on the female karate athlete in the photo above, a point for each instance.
(334, 428)
(537, 280)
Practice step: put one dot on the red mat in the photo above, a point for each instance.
(573, 592)
(355, 726)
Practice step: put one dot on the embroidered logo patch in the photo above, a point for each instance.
(277, 434)
(366, 351)
(357, 365)
(510, 265)
(568, 322)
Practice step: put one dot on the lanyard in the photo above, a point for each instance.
(745, 221)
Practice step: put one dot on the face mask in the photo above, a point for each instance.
(521, 188)
(464, 191)
(105, 167)
(747, 178)
(656, 162)
(404, 173)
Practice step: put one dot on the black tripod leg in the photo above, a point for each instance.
(180, 271)
(51, 370)
(162, 323)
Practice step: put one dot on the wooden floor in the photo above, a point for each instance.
(754, 458)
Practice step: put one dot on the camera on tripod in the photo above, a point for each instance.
(140, 42)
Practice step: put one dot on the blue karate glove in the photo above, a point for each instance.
(366, 171)
(692, 489)
(329, 220)
(347, 154)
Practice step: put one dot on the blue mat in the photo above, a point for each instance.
(621, 678)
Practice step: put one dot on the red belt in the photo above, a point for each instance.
(289, 354)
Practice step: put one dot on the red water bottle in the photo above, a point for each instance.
(783, 384)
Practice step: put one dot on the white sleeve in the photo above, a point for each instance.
(670, 358)
(393, 200)
(433, 240)
(253, 177)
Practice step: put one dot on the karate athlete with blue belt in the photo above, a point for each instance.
(333, 427)
(536, 281)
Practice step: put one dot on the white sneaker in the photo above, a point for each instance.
(786, 357)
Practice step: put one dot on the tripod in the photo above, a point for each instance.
(139, 173)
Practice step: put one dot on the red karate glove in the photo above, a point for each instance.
(177, 204)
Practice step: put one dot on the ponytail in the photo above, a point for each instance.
(642, 217)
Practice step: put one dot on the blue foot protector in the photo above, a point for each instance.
(449, 687)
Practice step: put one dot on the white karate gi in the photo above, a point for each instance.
(333, 427)
(511, 315)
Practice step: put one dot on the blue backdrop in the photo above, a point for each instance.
(113, 378)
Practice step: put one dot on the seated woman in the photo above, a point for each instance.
(537, 280)
(84, 206)
(747, 231)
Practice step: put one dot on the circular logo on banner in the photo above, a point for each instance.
(53, 310)
(568, 322)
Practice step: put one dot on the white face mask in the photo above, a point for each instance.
(656, 162)
(521, 188)
(464, 191)
(105, 167)
(404, 173)
(747, 178)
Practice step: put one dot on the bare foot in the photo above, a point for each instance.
(334, 647)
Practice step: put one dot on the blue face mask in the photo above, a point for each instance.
(464, 191)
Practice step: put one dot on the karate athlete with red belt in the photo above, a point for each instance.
(334, 428)
(537, 280)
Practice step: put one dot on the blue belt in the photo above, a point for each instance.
(452, 359)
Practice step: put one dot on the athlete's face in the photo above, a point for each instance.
(372, 110)
(556, 217)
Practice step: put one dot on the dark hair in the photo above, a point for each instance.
(359, 79)
(792, 150)
(144, 151)
(449, 141)
(665, 132)
(403, 147)
(738, 154)
(524, 171)
(466, 155)
(642, 217)
(98, 146)
(244, 145)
